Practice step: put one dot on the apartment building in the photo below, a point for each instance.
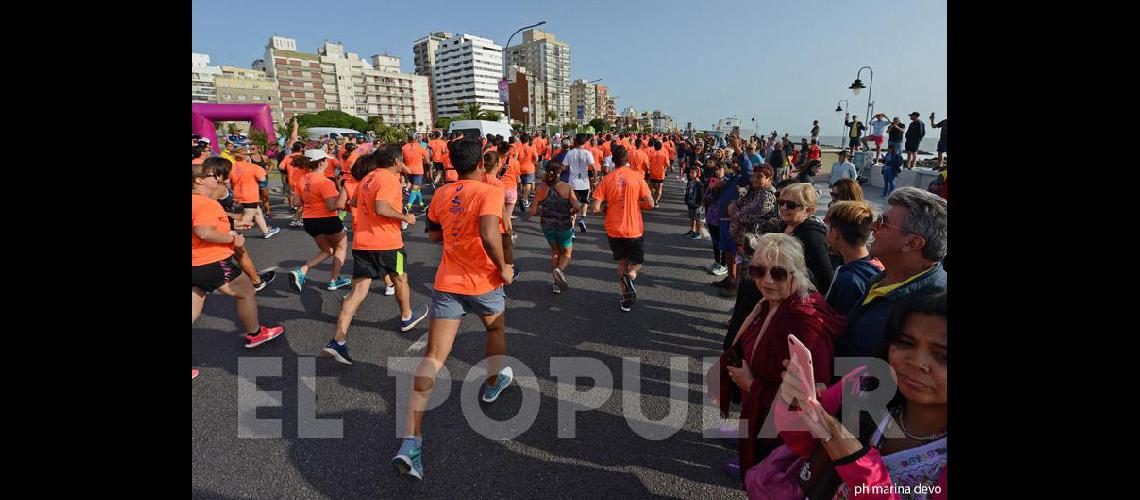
(547, 59)
(467, 69)
(423, 52)
(202, 79)
(248, 86)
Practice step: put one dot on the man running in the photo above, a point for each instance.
(526, 157)
(415, 158)
(658, 161)
(579, 162)
(377, 246)
(465, 216)
(625, 191)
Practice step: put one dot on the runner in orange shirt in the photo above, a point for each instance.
(526, 158)
(658, 162)
(510, 177)
(638, 160)
(245, 177)
(626, 194)
(212, 267)
(438, 153)
(288, 171)
(377, 245)
(319, 197)
(607, 154)
(415, 158)
(465, 216)
(492, 166)
(223, 168)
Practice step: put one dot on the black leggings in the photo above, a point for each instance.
(714, 233)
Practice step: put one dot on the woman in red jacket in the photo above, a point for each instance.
(790, 306)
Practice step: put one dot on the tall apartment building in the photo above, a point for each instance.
(583, 101)
(202, 79)
(610, 110)
(423, 52)
(345, 82)
(248, 86)
(298, 76)
(601, 97)
(549, 60)
(527, 98)
(467, 70)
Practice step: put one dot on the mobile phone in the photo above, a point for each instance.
(801, 356)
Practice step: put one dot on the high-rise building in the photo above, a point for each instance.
(345, 82)
(423, 51)
(467, 70)
(202, 79)
(527, 99)
(298, 76)
(248, 86)
(547, 59)
(583, 101)
(601, 93)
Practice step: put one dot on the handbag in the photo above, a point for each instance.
(817, 476)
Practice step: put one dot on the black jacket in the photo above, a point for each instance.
(694, 193)
(813, 235)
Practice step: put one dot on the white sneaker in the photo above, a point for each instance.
(391, 290)
(720, 271)
(712, 267)
(403, 226)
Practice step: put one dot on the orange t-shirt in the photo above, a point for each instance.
(541, 147)
(511, 176)
(244, 177)
(670, 149)
(373, 231)
(290, 170)
(197, 161)
(315, 188)
(657, 163)
(206, 211)
(607, 149)
(497, 183)
(638, 160)
(346, 167)
(331, 164)
(465, 268)
(526, 159)
(438, 150)
(414, 157)
(597, 152)
(350, 184)
(623, 190)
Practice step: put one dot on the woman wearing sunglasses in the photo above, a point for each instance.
(797, 204)
(790, 305)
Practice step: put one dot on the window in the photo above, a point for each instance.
(241, 97)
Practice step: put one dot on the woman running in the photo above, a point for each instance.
(222, 167)
(558, 204)
(212, 245)
(318, 196)
(258, 158)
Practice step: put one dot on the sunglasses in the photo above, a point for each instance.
(779, 274)
(790, 205)
(881, 221)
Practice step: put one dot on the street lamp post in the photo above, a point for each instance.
(857, 85)
(505, 63)
(843, 129)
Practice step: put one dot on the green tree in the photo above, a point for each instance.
(283, 131)
(443, 123)
(333, 118)
(232, 128)
(551, 116)
(599, 125)
(493, 116)
(259, 139)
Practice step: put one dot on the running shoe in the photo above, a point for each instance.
(712, 267)
(338, 282)
(193, 373)
(403, 226)
(337, 352)
(582, 224)
(298, 279)
(263, 335)
(266, 278)
(695, 236)
(390, 290)
(630, 290)
(417, 316)
(688, 233)
(296, 223)
(490, 394)
(625, 305)
(410, 463)
(720, 271)
(560, 278)
(272, 231)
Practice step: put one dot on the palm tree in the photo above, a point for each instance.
(232, 128)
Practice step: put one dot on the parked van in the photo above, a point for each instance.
(480, 128)
(322, 133)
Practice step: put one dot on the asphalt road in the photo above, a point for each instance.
(677, 315)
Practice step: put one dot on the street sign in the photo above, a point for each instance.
(504, 89)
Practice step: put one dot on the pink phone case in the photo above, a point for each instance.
(802, 357)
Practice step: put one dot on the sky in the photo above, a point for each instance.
(784, 63)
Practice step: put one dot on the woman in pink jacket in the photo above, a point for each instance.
(905, 454)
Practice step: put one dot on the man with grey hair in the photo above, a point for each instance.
(910, 240)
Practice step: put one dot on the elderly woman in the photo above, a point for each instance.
(909, 450)
(797, 207)
(790, 305)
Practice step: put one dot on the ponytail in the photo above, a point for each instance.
(553, 169)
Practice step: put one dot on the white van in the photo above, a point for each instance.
(322, 133)
(480, 128)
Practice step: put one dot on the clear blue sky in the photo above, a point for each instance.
(785, 63)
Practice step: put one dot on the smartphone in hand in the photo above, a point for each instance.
(801, 359)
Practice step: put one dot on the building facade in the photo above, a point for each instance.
(423, 52)
(202, 79)
(467, 70)
(298, 76)
(248, 86)
(547, 59)
(583, 101)
(527, 99)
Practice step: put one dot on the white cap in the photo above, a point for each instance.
(205, 140)
(315, 154)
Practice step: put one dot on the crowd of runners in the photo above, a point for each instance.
(754, 199)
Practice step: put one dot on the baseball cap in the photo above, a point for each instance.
(915, 113)
(315, 154)
(205, 140)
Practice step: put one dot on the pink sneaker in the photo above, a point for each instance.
(193, 373)
(264, 335)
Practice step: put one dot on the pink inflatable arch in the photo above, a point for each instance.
(259, 116)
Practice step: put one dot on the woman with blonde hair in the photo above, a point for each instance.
(791, 305)
(798, 204)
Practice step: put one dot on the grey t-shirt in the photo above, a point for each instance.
(845, 170)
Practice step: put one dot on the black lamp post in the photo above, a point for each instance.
(843, 130)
